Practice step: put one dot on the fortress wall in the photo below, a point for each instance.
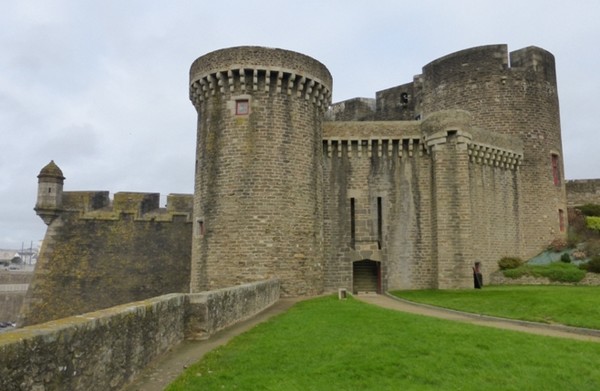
(495, 203)
(583, 191)
(100, 258)
(106, 349)
(396, 103)
(356, 109)
(10, 305)
(13, 286)
(388, 163)
(15, 277)
(513, 94)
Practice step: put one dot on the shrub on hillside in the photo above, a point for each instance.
(593, 265)
(566, 258)
(590, 209)
(506, 263)
(557, 271)
(593, 222)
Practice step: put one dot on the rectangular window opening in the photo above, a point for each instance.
(352, 223)
(200, 227)
(561, 220)
(379, 222)
(242, 107)
(555, 170)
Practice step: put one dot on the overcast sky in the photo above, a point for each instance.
(101, 87)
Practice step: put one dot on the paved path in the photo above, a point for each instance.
(551, 330)
(164, 370)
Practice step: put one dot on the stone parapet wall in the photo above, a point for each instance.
(12, 277)
(98, 254)
(106, 349)
(10, 305)
(583, 191)
(209, 312)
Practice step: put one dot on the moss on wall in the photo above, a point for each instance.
(94, 264)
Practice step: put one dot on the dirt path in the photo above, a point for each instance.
(550, 330)
(164, 370)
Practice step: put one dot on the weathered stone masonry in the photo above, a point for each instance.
(404, 191)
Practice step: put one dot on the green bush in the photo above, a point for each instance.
(566, 258)
(593, 265)
(593, 222)
(557, 271)
(506, 263)
(590, 209)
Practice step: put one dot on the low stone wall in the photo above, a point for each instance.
(212, 311)
(497, 278)
(15, 277)
(10, 304)
(105, 350)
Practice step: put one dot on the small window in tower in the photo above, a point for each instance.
(404, 98)
(352, 223)
(561, 220)
(242, 107)
(49, 190)
(200, 227)
(379, 222)
(555, 169)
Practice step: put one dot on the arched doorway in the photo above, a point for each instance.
(366, 276)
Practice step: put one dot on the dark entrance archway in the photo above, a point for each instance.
(366, 276)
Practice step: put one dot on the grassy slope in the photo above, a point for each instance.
(327, 344)
(570, 305)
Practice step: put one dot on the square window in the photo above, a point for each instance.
(242, 107)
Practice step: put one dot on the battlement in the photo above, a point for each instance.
(245, 70)
(96, 205)
(535, 59)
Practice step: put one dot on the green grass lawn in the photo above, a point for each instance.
(570, 305)
(328, 344)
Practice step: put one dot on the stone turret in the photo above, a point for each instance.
(50, 191)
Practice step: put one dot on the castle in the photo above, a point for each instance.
(404, 191)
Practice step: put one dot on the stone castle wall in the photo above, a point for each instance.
(106, 349)
(413, 191)
(512, 94)
(97, 255)
(583, 191)
(13, 287)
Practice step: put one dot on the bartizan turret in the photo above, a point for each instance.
(50, 190)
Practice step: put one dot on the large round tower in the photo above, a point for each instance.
(258, 183)
(514, 95)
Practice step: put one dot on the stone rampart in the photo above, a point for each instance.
(583, 191)
(13, 286)
(106, 349)
(97, 254)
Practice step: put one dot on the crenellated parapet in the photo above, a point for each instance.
(97, 205)
(243, 70)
